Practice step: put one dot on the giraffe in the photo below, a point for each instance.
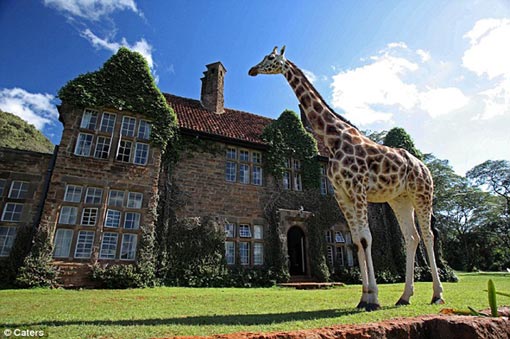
(362, 171)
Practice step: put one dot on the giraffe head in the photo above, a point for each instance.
(273, 63)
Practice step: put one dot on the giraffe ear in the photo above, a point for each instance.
(275, 50)
(282, 52)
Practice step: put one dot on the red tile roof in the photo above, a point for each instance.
(233, 124)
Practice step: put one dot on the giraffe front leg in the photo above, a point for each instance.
(372, 291)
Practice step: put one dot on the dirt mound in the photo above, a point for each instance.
(435, 326)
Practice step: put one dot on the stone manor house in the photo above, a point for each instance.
(100, 183)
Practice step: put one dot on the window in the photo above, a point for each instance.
(257, 175)
(258, 253)
(2, 185)
(330, 255)
(12, 212)
(89, 216)
(329, 238)
(144, 130)
(73, 193)
(298, 186)
(230, 252)
(128, 127)
(340, 255)
(102, 148)
(230, 171)
(231, 153)
(230, 230)
(339, 237)
(141, 153)
(292, 177)
(244, 173)
(286, 180)
(83, 144)
(258, 232)
(116, 198)
(134, 200)
(62, 243)
(89, 119)
(132, 221)
(124, 151)
(19, 190)
(296, 165)
(84, 244)
(7, 236)
(108, 122)
(256, 157)
(112, 218)
(244, 155)
(244, 231)
(94, 195)
(128, 249)
(109, 246)
(324, 186)
(244, 253)
(68, 215)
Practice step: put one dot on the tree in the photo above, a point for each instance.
(17, 133)
(398, 137)
(495, 176)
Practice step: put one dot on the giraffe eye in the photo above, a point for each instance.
(271, 57)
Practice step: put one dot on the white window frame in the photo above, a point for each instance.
(245, 231)
(62, 243)
(109, 245)
(258, 232)
(127, 123)
(91, 217)
(244, 173)
(244, 155)
(19, 189)
(85, 123)
(132, 243)
(68, 215)
(256, 157)
(230, 171)
(95, 195)
(231, 153)
(230, 252)
(134, 200)
(256, 177)
(230, 230)
(103, 146)
(13, 212)
(85, 239)
(116, 198)
(124, 153)
(330, 255)
(7, 240)
(109, 127)
(244, 253)
(135, 221)
(339, 238)
(112, 218)
(71, 193)
(2, 186)
(287, 181)
(258, 253)
(141, 154)
(144, 133)
(83, 147)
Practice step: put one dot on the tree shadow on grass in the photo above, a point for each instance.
(234, 319)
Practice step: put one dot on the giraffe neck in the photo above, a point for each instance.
(316, 110)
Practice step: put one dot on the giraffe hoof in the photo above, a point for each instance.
(362, 304)
(402, 302)
(372, 307)
(437, 301)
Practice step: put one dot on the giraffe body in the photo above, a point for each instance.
(362, 171)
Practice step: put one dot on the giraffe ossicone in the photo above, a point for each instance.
(362, 171)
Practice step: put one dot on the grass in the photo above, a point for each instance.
(167, 311)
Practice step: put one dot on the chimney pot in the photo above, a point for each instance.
(211, 95)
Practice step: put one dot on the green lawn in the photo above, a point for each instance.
(167, 311)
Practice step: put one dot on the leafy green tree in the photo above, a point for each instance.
(18, 134)
(398, 137)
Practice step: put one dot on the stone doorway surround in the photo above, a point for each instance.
(295, 218)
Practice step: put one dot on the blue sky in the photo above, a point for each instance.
(440, 69)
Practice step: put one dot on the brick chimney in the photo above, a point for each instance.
(212, 88)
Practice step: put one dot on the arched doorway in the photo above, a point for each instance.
(296, 248)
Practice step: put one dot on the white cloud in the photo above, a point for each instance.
(442, 101)
(35, 108)
(141, 46)
(310, 75)
(424, 55)
(92, 10)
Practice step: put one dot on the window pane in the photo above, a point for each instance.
(297, 182)
(94, 195)
(244, 231)
(116, 198)
(244, 173)
(84, 244)
(258, 232)
(324, 186)
(134, 200)
(230, 171)
(330, 255)
(128, 126)
(108, 122)
(89, 119)
(258, 253)
(89, 216)
(244, 253)
(12, 212)
(144, 130)
(62, 243)
(256, 157)
(230, 252)
(124, 151)
(2, 185)
(83, 144)
(244, 155)
(19, 190)
(68, 215)
(257, 175)
(102, 148)
(7, 236)
(132, 221)
(73, 193)
(231, 153)
(230, 230)
(141, 154)
(286, 180)
(128, 249)
(108, 246)
(339, 237)
(112, 218)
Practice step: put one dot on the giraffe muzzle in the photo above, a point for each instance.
(253, 71)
